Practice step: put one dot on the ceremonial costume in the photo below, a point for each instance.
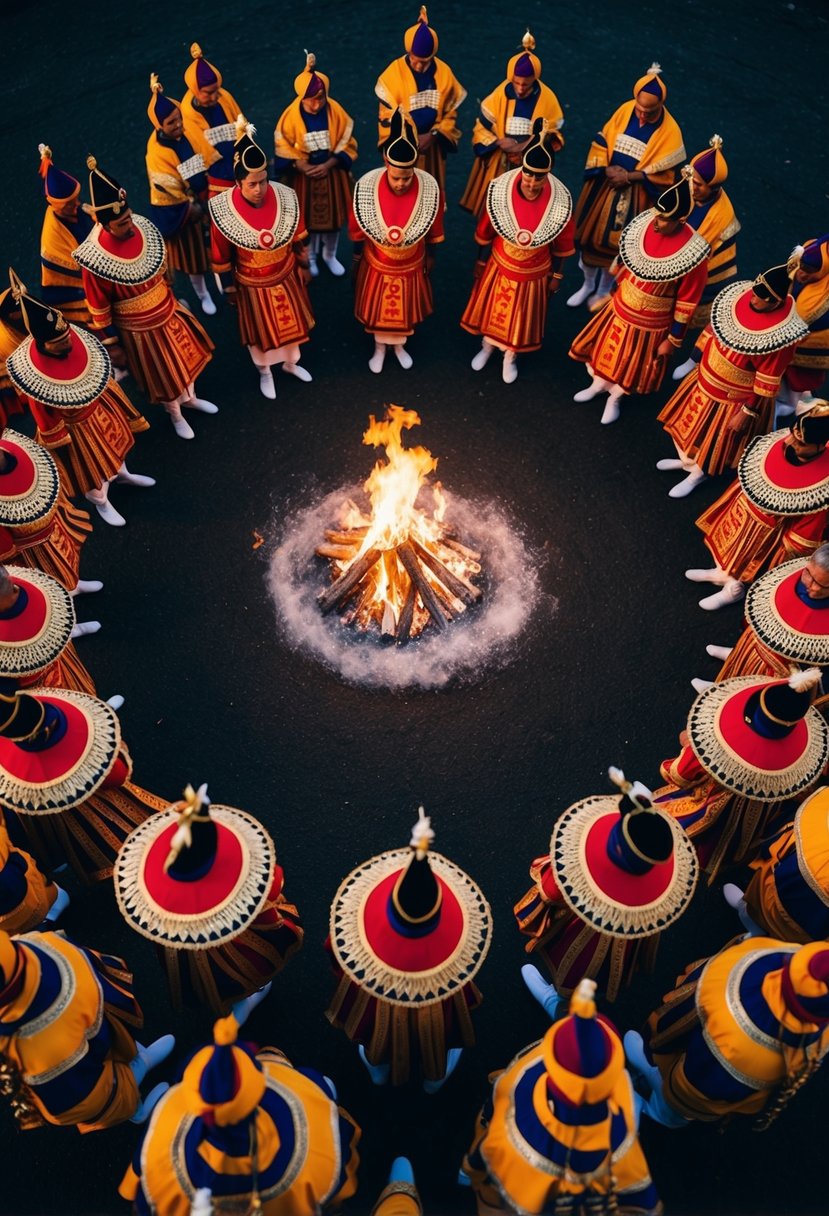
(786, 627)
(753, 745)
(529, 239)
(506, 115)
(807, 370)
(658, 285)
(619, 872)
(740, 1033)
(651, 149)
(558, 1133)
(177, 173)
(202, 883)
(316, 131)
(254, 249)
(743, 356)
(36, 625)
(65, 375)
(12, 333)
(64, 781)
(430, 98)
(39, 528)
(409, 931)
(211, 121)
(777, 508)
(391, 231)
(27, 897)
(65, 226)
(64, 1039)
(132, 304)
(256, 1133)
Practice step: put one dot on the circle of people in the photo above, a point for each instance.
(409, 930)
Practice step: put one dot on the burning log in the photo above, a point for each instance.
(427, 595)
(459, 587)
(404, 622)
(340, 589)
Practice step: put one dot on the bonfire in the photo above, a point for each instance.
(401, 567)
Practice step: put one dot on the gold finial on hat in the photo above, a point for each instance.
(715, 142)
(528, 42)
(310, 61)
(194, 800)
(155, 83)
(196, 51)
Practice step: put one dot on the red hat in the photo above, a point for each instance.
(37, 629)
(410, 926)
(582, 1052)
(194, 876)
(783, 621)
(761, 739)
(622, 865)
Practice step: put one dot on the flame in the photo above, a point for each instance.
(393, 488)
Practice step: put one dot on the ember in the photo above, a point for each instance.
(401, 567)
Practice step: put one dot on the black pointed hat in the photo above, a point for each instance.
(400, 149)
(677, 202)
(246, 151)
(773, 284)
(538, 155)
(42, 321)
(109, 199)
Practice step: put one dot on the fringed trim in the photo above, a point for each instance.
(502, 213)
(780, 637)
(126, 271)
(370, 973)
(369, 215)
(735, 774)
(658, 270)
(779, 500)
(203, 930)
(33, 506)
(732, 334)
(24, 658)
(70, 790)
(596, 907)
(62, 394)
(242, 234)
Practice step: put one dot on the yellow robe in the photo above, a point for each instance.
(396, 86)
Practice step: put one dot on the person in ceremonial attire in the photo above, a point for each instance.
(427, 91)
(244, 1131)
(27, 897)
(39, 527)
(788, 896)
(740, 1034)
(787, 623)
(314, 151)
(618, 873)
(37, 624)
(750, 746)
(67, 1053)
(524, 234)
(260, 251)
(65, 782)
(202, 883)
(558, 1132)
(714, 219)
(12, 333)
(504, 127)
(123, 263)
(809, 268)
(395, 217)
(177, 173)
(631, 161)
(660, 275)
(776, 510)
(65, 375)
(729, 396)
(65, 225)
(409, 932)
(210, 114)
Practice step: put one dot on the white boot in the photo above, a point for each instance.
(402, 356)
(313, 254)
(296, 369)
(718, 652)
(731, 593)
(330, 240)
(82, 629)
(688, 484)
(150, 1057)
(699, 685)
(597, 385)
(101, 503)
(181, 427)
(201, 405)
(483, 356)
(603, 290)
(125, 478)
(266, 385)
(714, 575)
(377, 360)
(116, 701)
(590, 274)
(509, 370)
(679, 373)
(87, 586)
(205, 299)
(59, 906)
(612, 407)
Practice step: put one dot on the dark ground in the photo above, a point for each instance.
(336, 772)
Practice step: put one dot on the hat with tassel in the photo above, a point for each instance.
(525, 64)
(201, 74)
(710, 164)
(223, 1083)
(761, 739)
(109, 199)
(652, 83)
(194, 876)
(247, 155)
(409, 926)
(310, 82)
(161, 106)
(582, 1052)
(420, 39)
(812, 256)
(58, 186)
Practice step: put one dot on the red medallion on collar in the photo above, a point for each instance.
(261, 219)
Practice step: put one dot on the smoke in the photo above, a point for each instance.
(483, 637)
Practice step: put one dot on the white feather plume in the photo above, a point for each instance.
(618, 778)
(803, 681)
(422, 832)
(655, 68)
